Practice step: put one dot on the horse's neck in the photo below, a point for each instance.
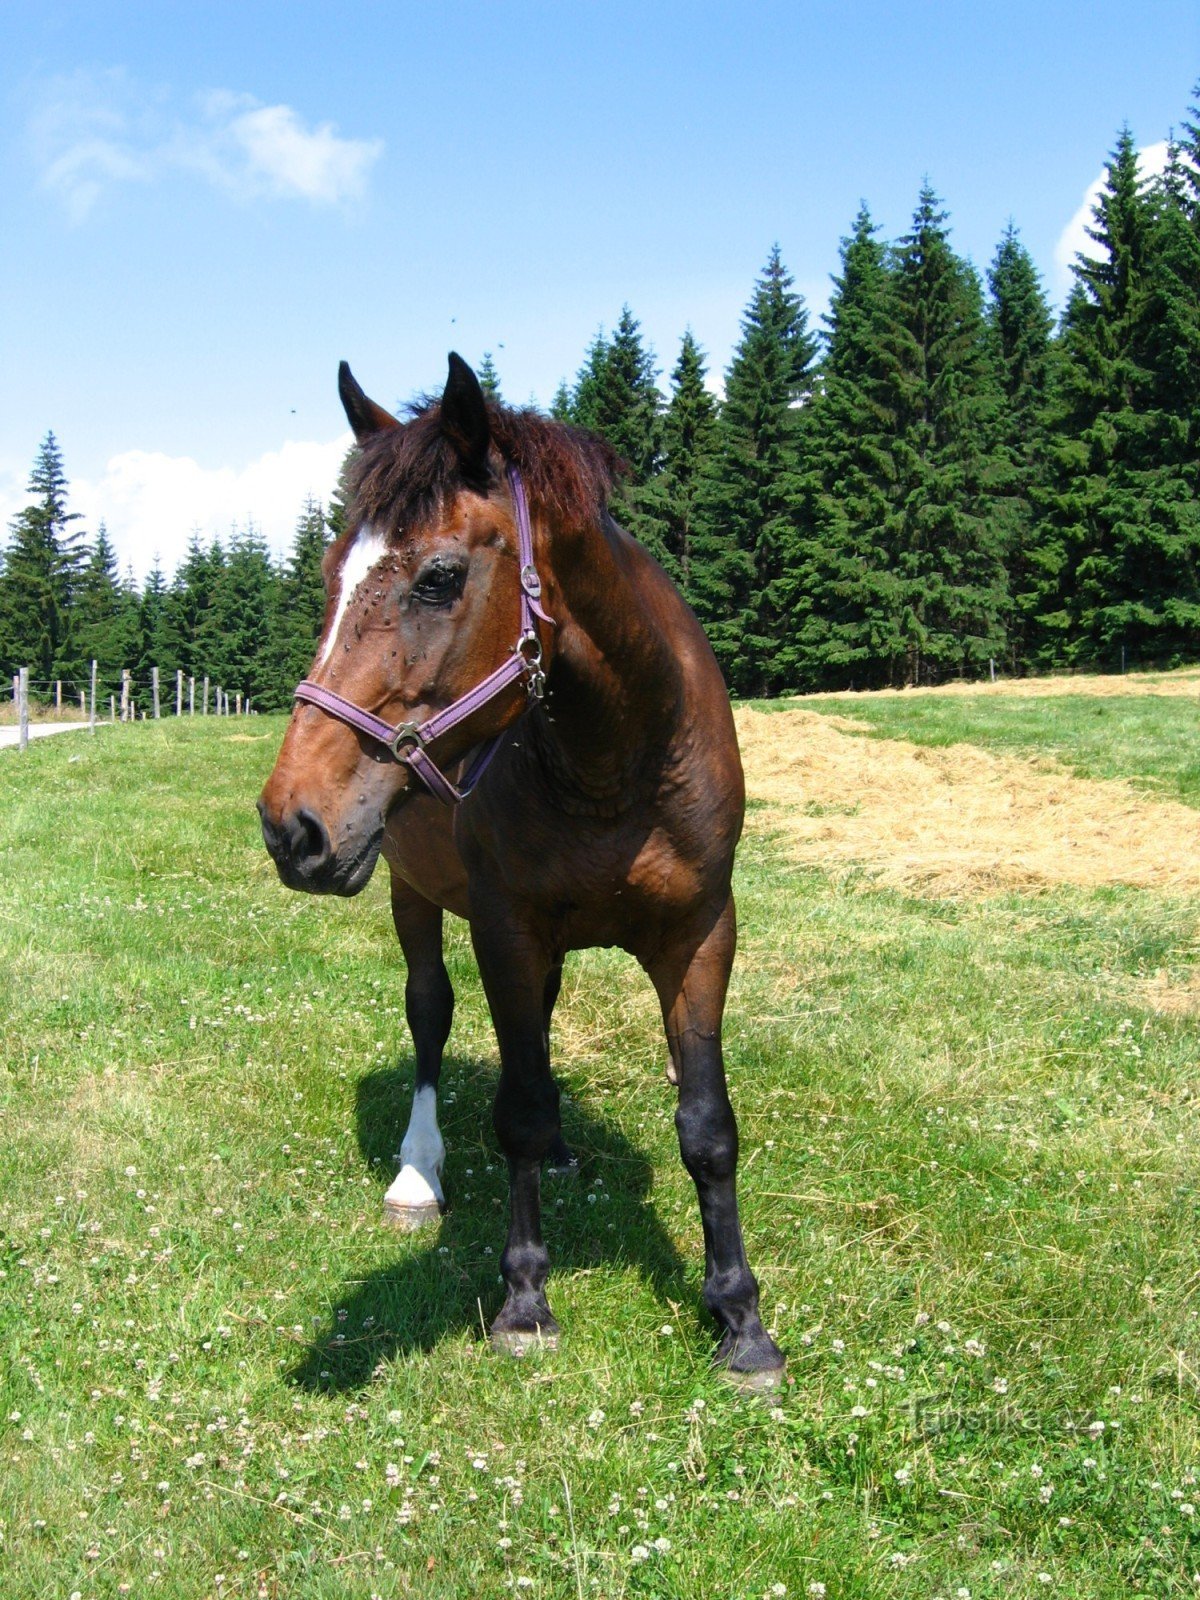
(615, 684)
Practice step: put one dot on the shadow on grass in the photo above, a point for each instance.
(445, 1279)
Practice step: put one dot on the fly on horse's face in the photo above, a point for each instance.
(415, 618)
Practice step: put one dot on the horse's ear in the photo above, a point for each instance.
(464, 420)
(364, 416)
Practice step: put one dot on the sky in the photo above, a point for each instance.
(204, 207)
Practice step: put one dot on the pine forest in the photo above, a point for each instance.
(941, 482)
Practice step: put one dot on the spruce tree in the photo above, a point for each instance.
(941, 539)
(1019, 327)
(840, 590)
(669, 504)
(750, 497)
(1120, 535)
(489, 378)
(104, 625)
(40, 574)
(301, 609)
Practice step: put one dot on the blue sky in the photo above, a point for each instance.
(204, 207)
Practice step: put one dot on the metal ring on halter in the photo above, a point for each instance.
(406, 733)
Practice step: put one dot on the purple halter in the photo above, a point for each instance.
(407, 741)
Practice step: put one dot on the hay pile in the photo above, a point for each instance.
(1180, 681)
(957, 821)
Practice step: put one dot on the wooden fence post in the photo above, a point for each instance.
(112, 708)
(191, 697)
(178, 691)
(205, 711)
(92, 721)
(126, 682)
(237, 704)
(154, 690)
(58, 694)
(23, 708)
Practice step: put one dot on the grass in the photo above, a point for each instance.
(969, 1179)
(1148, 739)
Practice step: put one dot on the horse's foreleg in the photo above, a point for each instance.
(515, 975)
(691, 980)
(415, 1196)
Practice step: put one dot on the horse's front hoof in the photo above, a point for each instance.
(755, 1363)
(520, 1342)
(763, 1380)
(409, 1219)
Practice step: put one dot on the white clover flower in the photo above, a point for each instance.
(639, 1553)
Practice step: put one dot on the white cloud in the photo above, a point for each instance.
(1152, 160)
(151, 503)
(93, 130)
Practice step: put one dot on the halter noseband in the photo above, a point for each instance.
(407, 741)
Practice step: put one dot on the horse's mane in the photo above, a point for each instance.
(403, 477)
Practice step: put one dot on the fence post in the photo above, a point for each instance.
(205, 711)
(178, 691)
(154, 690)
(191, 697)
(83, 701)
(58, 694)
(237, 701)
(112, 708)
(23, 708)
(126, 681)
(92, 722)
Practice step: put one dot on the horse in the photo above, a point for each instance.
(512, 704)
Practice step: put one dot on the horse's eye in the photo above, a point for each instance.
(439, 584)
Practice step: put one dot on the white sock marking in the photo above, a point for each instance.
(368, 549)
(419, 1181)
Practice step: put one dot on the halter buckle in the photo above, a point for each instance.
(406, 733)
(529, 648)
(531, 581)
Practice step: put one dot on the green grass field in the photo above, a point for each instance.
(969, 1187)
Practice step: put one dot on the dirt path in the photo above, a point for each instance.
(10, 735)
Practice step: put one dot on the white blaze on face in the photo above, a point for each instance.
(363, 556)
(418, 1185)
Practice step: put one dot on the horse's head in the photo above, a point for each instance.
(424, 596)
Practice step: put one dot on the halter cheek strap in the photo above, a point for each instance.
(408, 741)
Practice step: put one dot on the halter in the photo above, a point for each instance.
(407, 741)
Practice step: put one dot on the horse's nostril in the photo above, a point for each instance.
(309, 841)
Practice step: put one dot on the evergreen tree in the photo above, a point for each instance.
(245, 598)
(339, 503)
(1121, 535)
(561, 406)
(748, 502)
(943, 542)
(1019, 328)
(301, 609)
(105, 625)
(489, 378)
(669, 505)
(40, 574)
(841, 592)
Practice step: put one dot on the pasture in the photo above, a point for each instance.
(967, 1102)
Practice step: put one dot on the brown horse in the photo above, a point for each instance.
(485, 612)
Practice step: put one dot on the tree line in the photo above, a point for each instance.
(940, 481)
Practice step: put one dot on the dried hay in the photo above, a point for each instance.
(1183, 681)
(956, 821)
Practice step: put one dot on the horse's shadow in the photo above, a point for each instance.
(445, 1279)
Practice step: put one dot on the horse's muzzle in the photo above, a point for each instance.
(298, 842)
